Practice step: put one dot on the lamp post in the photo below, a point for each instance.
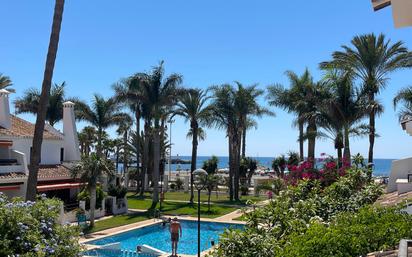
(198, 175)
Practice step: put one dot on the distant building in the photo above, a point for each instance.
(401, 11)
(59, 152)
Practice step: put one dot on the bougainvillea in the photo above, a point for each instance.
(327, 173)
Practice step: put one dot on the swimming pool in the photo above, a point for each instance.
(158, 236)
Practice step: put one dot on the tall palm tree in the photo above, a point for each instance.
(343, 109)
(192, 105)
(87, 138)
(248, 107)
(371, 58)
(404, 97)
(159, 95)
(44, 99)
(124, 130)
(225, 115)
(29, 103)
(130, 92)
(6, 83)
(102, 114)
(291, 100)
(302, 98)
(89, 170)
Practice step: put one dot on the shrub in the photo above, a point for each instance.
(30, 229)
(371, 229)
(117, 191)
(179, 184)
(244, 189)
(272, 227)
(84, 195)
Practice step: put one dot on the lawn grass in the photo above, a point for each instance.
(168, 208)
(119, 220)
(182, 196)
(181, 208)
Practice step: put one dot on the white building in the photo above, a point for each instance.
(59, 151)
(400, 178)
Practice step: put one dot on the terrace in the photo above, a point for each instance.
(11, 161)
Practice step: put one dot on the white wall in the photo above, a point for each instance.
(50, 153)
(400, 169)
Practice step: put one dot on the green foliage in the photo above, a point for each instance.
(84, 195)
(272, 227)
(30, 229)
(179, 184)
(275, 186)
(293, 158)
(117, 191)
(279, 165)
(210, 166)
(371, 229)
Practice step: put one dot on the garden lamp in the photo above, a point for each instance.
(197, 176)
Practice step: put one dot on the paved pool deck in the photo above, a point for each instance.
(228, 218)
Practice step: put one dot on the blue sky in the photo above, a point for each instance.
(208, 42)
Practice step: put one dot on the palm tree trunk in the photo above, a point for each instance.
(125, 158)
(346, 151)
(371, 132)
(311, 141)
(99, 149)
(117, 158)
(92, 203)
(137, 146)
(194, 127)
(156, 164)
(230, 184)
(339, 152)
(301, 151)
(145, 161)
(235, 152)
(44, 99)
(243, 143)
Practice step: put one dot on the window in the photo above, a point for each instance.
(61, 154)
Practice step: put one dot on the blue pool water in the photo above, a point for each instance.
(158, 237)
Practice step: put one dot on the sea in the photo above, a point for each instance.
(381, 167)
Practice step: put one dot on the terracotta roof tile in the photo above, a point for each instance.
(22, 128)
(12, 175)
(53, 171)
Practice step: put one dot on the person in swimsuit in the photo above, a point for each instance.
(175, 233)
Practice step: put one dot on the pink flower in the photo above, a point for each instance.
(330, 165)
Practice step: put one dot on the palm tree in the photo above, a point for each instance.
(192, 105)
(29, 103)
(371, 58)
(404, 97)
(225, 115)
(248, 107)
(123, 130)
(130, 92)
(302, 98)
(102, 114)
(342, 110)
(5, 83)
(292, 101)
(44, 99)
(89, 170)
(87, 138)
(159, 95)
